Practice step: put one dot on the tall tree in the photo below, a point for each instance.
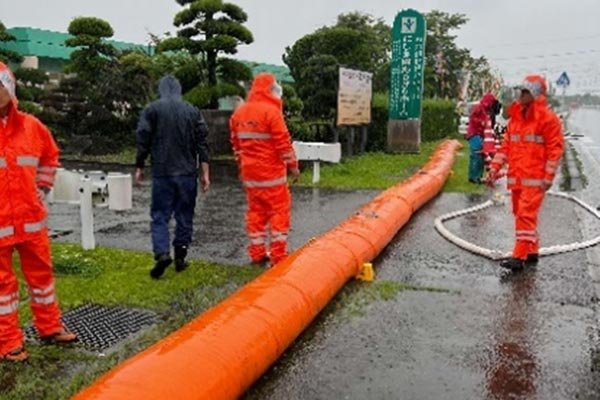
(92, 54)
(209, 28)
(7, 55)
(357, 41)
(446, 62)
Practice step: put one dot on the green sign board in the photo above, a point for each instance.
(408, 65)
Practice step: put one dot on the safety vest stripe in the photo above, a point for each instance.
(35, 227)
(10, 308)
(46, 300)
(7, 231)
(3, 162)
(43, 291)
(489, 140)
(515, 138)
(512, 181)
(254, 135)
(28, 161)
(266, 184)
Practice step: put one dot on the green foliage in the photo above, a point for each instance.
(317, 86)
(233, 71)
(210, 28)
(7, 55)
(187, 68)
(292, 104)
(447, 64)
(357, 41)
(90, 27)
(93, 54)
(202, 95)
(30, 107)
(440, 120)
(379, 123)
(300, 129)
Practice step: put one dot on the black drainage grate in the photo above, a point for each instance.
(99, 327)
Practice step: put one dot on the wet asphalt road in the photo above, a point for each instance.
(494, 336)
(491, 336)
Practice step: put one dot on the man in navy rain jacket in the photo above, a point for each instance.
(174, 134)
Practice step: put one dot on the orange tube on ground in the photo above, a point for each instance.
(222, 352)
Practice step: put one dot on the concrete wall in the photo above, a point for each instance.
(218, 131)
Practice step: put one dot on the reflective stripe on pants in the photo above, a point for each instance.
(527, 203)
(36, 266)
(267, 183)
(269, 206)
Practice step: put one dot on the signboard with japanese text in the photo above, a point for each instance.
(408, 64)
(354, 97)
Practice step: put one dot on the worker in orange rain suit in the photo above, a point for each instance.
(28, 161)
(533, 146)
(263, 149)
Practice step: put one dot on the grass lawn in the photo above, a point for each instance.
(113, 277)
(125, 157)
(381, 171)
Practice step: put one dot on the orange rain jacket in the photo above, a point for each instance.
(28, 162)
(532, 146)
(260, 138)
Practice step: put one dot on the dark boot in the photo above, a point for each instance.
(514, 264)
(162, 262)
(532, 259)
(263, 262)
(180, 255)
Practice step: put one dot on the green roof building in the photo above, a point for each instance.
(47, 50)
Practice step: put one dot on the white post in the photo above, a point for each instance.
(87, 214)
(316, 171)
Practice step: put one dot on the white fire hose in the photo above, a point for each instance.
(499, 255)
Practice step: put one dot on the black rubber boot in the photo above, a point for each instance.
(162, 262)
(180, 255)
(263, 262)
(532, 259)
(514, 264)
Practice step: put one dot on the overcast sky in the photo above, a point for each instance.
(517, 36)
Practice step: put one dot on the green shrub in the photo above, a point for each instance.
(439, 121)
(300, 130)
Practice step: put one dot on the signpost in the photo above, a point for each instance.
(407, 74)
(354, 104)
(563, 82)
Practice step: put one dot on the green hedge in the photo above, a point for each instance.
(439, 121)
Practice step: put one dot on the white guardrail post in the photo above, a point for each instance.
(317, 152)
